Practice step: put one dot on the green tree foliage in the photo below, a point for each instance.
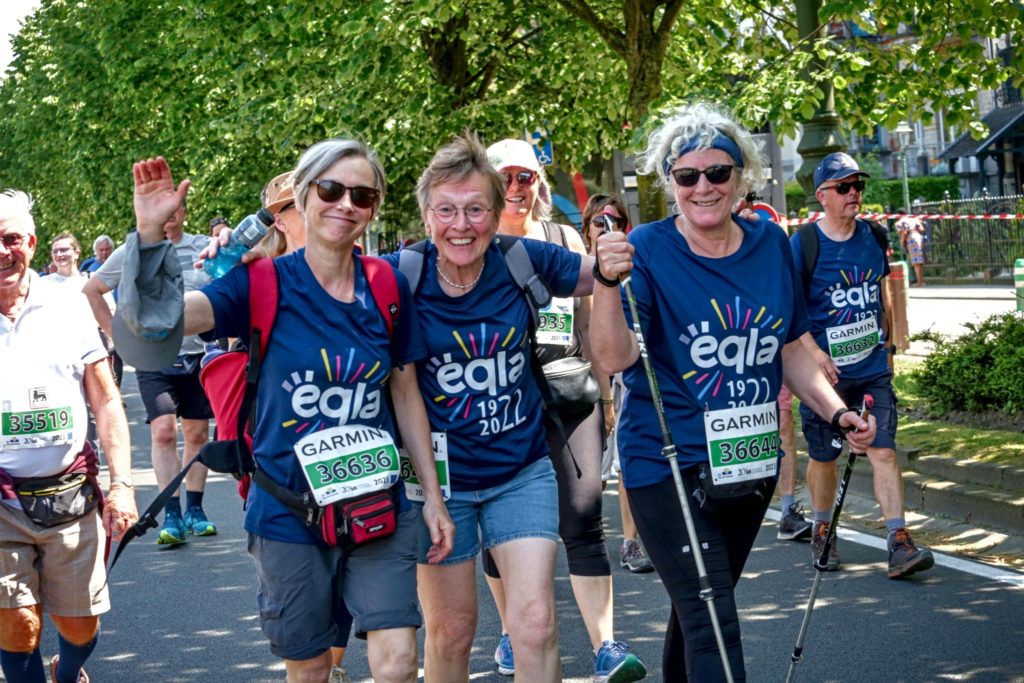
(231, 92)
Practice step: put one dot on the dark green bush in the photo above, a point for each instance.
(980, 371)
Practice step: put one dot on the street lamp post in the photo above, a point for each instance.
(903, 132)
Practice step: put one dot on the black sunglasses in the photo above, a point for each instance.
(844, 188)
(524, 178)
(607, 222)
(12, 240)
(332, 191)
(716, 175)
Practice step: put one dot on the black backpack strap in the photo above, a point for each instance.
(808, 235)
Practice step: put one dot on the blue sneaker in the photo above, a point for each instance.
(504, 658)
(173, 530)
(614, 663)
(197, 524)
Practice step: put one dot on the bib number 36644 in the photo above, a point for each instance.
(743, 443)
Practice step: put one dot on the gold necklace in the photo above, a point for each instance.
(456, 285)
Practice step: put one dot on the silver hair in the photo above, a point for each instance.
(16, 206)
(325, 154)
(102, 238)
(704, 122)
(461, 158)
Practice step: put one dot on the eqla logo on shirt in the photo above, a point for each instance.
(476, 382)
(348, 390)
(853, 330)
(737, 340)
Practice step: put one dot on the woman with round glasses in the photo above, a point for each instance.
(485, 414)
(65, 252)
(576, 446)
(322, 387)
(721, 310)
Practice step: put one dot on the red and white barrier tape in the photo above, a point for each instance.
(921, 216)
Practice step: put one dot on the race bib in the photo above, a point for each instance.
(347, 461)
(743, 443)
(556, 322)
(35, 428)
(848, 344)
(413, 489)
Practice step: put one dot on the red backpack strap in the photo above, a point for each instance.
(263, 296)
(384, 288)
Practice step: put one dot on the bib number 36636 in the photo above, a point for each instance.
(346, 461)
(743, 443)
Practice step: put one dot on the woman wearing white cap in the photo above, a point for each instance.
(578, 461)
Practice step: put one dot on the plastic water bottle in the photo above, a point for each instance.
(243, 238)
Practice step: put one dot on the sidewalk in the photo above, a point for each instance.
(990, 292)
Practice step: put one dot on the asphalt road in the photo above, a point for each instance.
(188, 614)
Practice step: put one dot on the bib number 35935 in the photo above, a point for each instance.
(743, 443)
(346, 461)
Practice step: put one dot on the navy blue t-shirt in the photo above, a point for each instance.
(476, 379)
(844, 301)
(327, 364)
(714, 328)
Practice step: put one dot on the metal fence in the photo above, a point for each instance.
(980, 250)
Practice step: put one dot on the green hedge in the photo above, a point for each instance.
(888, 193)
(980, 371)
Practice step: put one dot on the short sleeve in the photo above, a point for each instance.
(559, 266)
(229, 297)
(408, 346)
(110, 272)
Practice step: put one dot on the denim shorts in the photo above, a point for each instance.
(305, 588)
(526, 506)
(818, 432)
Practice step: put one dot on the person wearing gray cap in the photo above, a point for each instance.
(169, 386)
(51, 544)
(847, 298)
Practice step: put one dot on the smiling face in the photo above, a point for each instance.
(707, 206)
(519, 198)
(14, 260)
(64, 256)
(461, 242)
(339, 223)
(842, 206)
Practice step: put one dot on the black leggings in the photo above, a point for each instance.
(726, 534)
(579, 498)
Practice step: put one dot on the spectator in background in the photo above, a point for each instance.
(217, 224)
(102, 248)
(65, 252)
(912, 240)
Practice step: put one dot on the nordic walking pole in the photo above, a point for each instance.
(821, 564)
(668, 449)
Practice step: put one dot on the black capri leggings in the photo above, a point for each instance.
(579, 497)
(726, 532)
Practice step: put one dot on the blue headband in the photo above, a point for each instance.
(720, 141)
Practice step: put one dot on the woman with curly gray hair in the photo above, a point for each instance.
(722, 311)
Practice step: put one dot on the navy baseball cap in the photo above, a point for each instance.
(836, 165)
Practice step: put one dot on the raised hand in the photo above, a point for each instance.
(156, 197)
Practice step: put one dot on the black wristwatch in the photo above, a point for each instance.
(836, 428)
(599, 276)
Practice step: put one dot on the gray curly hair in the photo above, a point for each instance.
(701, 122)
